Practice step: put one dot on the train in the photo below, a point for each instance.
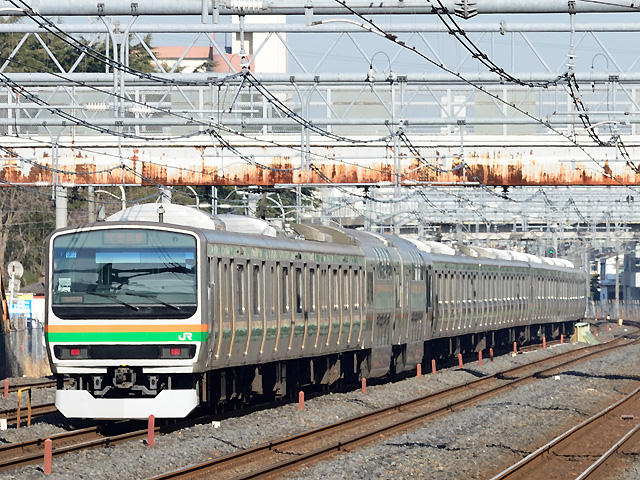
(162, 308)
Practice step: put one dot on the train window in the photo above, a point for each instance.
(256, 291)
(324, 282)
(397, 284)
(474, 277)
(335, 289)
(311, 289)
(240, 289)
(298, 289)
(370, 287)
(356, 289)
(346, 290)
(272, 293)
(284, 288)
(225, 287)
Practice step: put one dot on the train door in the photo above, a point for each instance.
(359, 312)
(405, 304)
(212, 306)
(429, 324)
(256, 309)
(298, 312)
(241, 328)
(285, 322)
(270, 307)
(371, 300)
(295, 296)
(224, 295)
(311, 318)
(325, 308)
(343, 301)
(383, 298)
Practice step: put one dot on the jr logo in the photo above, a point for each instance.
(186, 336)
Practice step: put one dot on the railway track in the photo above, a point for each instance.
(36, 411)
(32, 385)
(20, 454)
(279, 456)
(585, 451)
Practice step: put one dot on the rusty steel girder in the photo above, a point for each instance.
(204, 164)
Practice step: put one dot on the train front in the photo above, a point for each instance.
(123, 320)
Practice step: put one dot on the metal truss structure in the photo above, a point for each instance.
(409, 100)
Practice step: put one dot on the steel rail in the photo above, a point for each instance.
(17, 454)
(546, 448)
(36, 411)
(228, 462)
(25, 453)
(32, 385)
(609, 453)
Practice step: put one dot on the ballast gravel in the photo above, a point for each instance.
(39, 396)
(475, 442)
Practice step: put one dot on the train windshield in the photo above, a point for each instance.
(124, 273)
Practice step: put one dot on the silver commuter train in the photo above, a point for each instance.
(152, 313)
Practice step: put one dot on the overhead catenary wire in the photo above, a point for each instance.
(461, 36)
(81, 48)
(208, 124)
(393, 38)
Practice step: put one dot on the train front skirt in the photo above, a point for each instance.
(167, 404)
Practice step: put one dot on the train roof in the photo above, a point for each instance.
(264, 233)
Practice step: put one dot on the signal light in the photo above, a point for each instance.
(74, 352)
(175, 352)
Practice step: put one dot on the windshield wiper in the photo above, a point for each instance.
(153, 296)
(113, 297)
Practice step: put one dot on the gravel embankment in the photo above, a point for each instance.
(468, 444)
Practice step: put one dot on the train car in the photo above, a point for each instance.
(163, 308)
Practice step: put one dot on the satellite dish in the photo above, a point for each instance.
(15, 269)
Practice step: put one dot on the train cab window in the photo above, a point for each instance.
(298, 289)
(284, 288)
(240, 289)
(256, 290)
(370, 286)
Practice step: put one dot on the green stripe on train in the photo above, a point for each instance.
(79, 337)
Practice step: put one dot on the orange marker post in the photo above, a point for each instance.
(47, 456)
(515, 347)
(491, 354)
(433, 366)
(151, 431)
(364, 385)
(419, 370)
(480, 358)
(301, 400)
(460, 364)
(544, 342)
(561, 339)
(18, 410)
